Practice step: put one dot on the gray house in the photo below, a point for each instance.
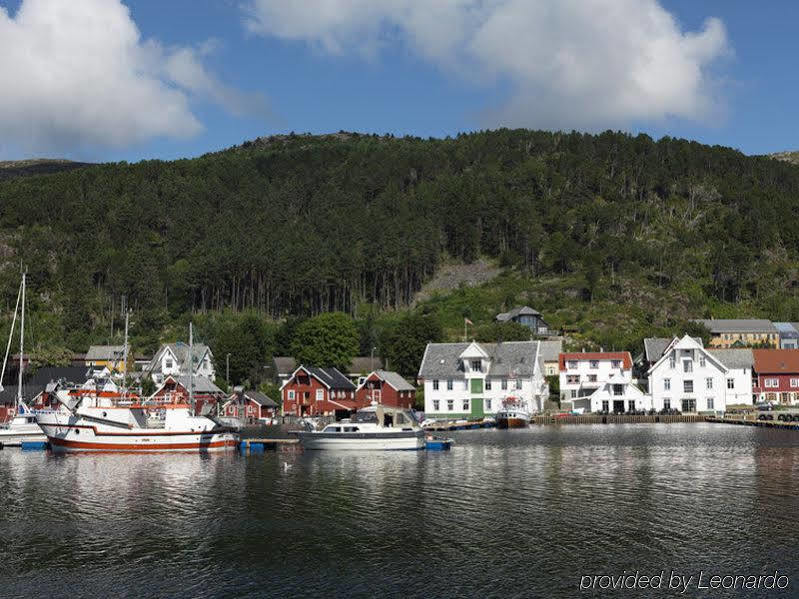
(528, 317)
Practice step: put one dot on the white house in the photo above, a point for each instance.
(582, 373)
(689, 378)
(740, 364)
(470, 380)
(616, 395)
(173, 359)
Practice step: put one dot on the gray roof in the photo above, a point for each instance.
(181, 352)
(517, 311)
(201, 384)
(395, 380)
(332, 377)
(734, 358)
(551, 349)
(104, 352)
(284, 365)
(441, 360)
(260, 398)
(655, 346)
(738, 325)
(787, 330)
(41, 379)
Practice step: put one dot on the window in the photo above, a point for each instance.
(572, 379)
(688, 386)
(794, 382)
(772, 383)
(672, 363)
(594, 364)
(436, 405)
(488, 384)
(291, 394)
(450, 404)
(168, 363)
(615, 363)
(573, 393)
(320, 394)
(477, 365)
(702, 361)
(689, 405)
(631, 405)
(709, 403)
(605, 405)
(466, 405)
(708, 383)
(504, 384)
(518, 383)
(592, 378)
(730, 384)
(435, 384)
(488, 405)
(666, 403)
(572, 364)
(618, 389)
(449, 384)
(667, 384)
(687, 366)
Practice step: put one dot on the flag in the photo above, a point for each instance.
(467, 321)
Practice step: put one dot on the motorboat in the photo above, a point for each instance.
(376, 427)
(23, 427)
(513, 413)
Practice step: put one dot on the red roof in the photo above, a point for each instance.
(776, 361)
(624, 356)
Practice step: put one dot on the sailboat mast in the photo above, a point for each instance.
(191, 368)
(125, 357)
(21, 344)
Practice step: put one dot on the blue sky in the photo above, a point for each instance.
(205, 75)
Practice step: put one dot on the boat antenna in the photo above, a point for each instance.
(10, 335)
(21, 343)
(191, 368)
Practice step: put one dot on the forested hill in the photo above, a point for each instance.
(306, 224)
(21, 168)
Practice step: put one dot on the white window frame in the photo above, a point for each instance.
(488, 404)
(449, 384)
(435, 384)
(450, 405)
(291, 394)
(593, 364)
(467, 405)
(320, 395)
(710, 403)
(436, 405)
(685, 385)
(708, 383)
(667, 384)
(488, 384)
(504, 384)
(572, 364)
(730, 383)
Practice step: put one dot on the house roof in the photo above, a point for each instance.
(738, 325)
(517, 311)
(441, 360)
(655, 346)
(734, 358)
(332, 378)
(776, 361)
(392, 378)
(551, 349)
(787, 329)
(624, 356)
(104, 352)
(260, 398)
(181, 352)
(285, 365)
(41, 379)
(201, 384)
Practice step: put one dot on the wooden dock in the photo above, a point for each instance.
(754, 422)
(263, 444)
(455, 425)
(617, 418)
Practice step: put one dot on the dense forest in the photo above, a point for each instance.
(298, 225)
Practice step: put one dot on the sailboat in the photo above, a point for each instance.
(23, 426)
(97, 423)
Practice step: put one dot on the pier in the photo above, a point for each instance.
(755, 422)
(259, 445)
(616, 418)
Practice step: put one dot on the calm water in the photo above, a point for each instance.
(505, 513)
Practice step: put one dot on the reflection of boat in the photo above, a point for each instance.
(376, 427)
(105, 423)
(514, 413)
(23, 426)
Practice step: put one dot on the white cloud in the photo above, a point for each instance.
(77, 73)
(569, 63)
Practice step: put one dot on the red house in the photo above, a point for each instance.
(255, 404)
(775, 376)
(175, 390)
(387, 388)
(313, 391)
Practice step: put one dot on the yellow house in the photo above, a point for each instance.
(106, 356)
(741, 332)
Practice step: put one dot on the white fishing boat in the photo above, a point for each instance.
(377, 427)
(101, 422)
(23, 426)
(513, 413)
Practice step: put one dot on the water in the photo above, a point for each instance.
(504, 514)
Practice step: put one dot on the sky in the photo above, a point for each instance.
(110, 80)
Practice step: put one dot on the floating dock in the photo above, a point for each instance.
(754, 422)
(616, 418)
(259, 445)
(459, 425)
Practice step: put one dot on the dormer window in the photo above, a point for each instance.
(168, 363)
(477, 366)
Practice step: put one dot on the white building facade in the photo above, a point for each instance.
(617, 395)
(583, 373)
(471, 380)
(172, 359)
(690, 378)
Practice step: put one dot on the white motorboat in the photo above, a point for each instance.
(513, 413)
(109, 422)
(377, 427)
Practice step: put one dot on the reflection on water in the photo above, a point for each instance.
(505, 513)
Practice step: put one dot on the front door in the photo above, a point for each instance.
(477, 407)
(689, 405)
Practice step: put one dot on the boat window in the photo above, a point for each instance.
(401, 418)
(333, 429)
(31, 419)
(388, 420)
(350, 429)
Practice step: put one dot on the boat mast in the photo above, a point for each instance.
(10, 337)
(21, 344)
(191, 368)
(125, 357)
